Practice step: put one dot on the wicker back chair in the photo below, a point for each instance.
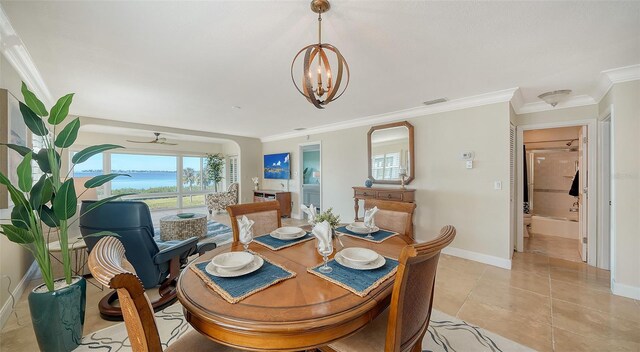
(394, 216)
(266, 215)
(407, 319)
(106, 265)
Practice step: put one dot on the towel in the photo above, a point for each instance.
(322, 232)
(369, 217)
(245, 225)
(310, 211)
(575, 185)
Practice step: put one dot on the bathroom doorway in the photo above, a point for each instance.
(311, 175)
(555, 171)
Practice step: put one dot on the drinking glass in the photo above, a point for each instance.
(325, 253)
(246, 240)
(368, 224)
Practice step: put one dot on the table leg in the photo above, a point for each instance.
(356, 207)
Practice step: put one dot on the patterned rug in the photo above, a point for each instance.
(216, 232)
(446, 334)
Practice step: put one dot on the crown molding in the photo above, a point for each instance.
(617, 75)
(575, 101)
(456, 104)
(17, 55)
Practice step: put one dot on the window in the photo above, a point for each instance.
(386, 166)
(233, 169)
(161, 181)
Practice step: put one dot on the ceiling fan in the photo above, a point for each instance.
(158, 140)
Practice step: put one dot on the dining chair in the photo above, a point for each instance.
(106, 263)
(394, 216)
(266, 215)
(401, 328)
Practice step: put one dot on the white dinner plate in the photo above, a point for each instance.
(361, 230)
(288, 233)
(249, 268)
(369, 266)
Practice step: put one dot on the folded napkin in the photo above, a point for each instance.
(369, 217)
(245, 225)
(310, 211)
(322, 232)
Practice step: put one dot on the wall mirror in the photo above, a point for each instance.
(391, 153)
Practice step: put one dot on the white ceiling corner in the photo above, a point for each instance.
(17, 55)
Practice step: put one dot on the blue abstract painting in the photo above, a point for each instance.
(277, 166)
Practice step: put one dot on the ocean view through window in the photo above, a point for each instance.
(154, 179)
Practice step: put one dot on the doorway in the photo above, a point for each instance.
(311, 175)
(556, 169)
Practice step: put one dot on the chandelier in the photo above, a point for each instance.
(320, 84)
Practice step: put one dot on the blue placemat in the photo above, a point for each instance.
(235, 289)
(276, 244)
(360, 282)
(378, 236)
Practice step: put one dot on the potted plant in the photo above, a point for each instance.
(215, 163)
(47, 206)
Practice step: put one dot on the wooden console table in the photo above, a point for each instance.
(395, 194)
(284, 198)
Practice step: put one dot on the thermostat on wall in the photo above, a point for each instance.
(466, 155)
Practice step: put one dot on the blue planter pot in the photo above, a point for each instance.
(58, 316)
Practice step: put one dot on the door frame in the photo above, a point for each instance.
(592, 181)
(605, 178)
(301, 176)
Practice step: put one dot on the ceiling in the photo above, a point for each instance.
(186, 64)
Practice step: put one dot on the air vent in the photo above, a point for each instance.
(435, 101)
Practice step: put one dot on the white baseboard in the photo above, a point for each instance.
(625, 290)
(17, 292)
(478, 257)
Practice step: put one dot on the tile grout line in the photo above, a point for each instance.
(471, 291)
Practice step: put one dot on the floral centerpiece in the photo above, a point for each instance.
(47, 207)
(329, 216)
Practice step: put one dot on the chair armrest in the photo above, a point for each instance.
(205, 247)
(182, 250)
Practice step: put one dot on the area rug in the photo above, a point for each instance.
(216, 232)
(446, 334)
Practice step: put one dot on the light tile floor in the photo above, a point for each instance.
(545, 303)
(553, 246)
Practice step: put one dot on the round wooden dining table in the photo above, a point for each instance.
(297, 314)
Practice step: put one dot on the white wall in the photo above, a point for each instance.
(14, 260)
(447, 193)
(625, 98)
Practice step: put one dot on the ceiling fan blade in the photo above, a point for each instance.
(139, 141)
(167, 143)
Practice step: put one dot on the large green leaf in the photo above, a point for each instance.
(33, 102)
(33, 121)
(65, 202)
(41, 192)
(43, 160)
(20, 217)
(99, 180)
(102, 201)
(25, 178)
(17, 197)
(22, 150)
(88, 152)
(68, 135)
(60, 111)
(48, 217)
(17, 235)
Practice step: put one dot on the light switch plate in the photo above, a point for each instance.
(497, 185)
(469, 164)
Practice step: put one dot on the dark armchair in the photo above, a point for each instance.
(131, 221)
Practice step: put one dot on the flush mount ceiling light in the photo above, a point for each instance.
(319, 80)
(553, 98)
